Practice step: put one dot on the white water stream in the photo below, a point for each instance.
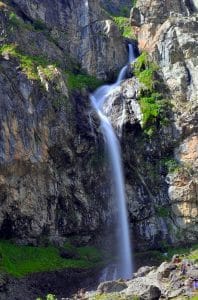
(125, 266)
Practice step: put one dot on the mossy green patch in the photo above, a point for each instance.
(21, 260)
(154, 108)
(144, 70)
(150, 110)
(80, 81)
(124, 26)
(29, 64)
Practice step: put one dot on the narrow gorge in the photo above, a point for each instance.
(98, 148)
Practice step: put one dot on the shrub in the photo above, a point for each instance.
(153, 107)
(124, 26)
(145, 71)
(150, 110)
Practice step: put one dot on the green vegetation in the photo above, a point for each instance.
(145, 70)
(150, 110)
(49, 297)
(80, 81)
(22, 260)
(171, 165)
(18, 22)
(154, 108)
(86, 253)
(124, 26)
(29, 64)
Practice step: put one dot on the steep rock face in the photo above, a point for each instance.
(168, 31)
(145, 172)
(47, 149)
(43, 152)
(83, 30)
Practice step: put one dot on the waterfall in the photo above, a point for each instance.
(125, 267)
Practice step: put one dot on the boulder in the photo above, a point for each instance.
(143, 271)
(165, 270)
(151, 293)
(112, 286)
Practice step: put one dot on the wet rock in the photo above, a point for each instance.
(122, 107)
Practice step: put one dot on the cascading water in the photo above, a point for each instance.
(125, 267)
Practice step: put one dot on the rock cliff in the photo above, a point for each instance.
(52, 173)
(168, 32)
(83, 30)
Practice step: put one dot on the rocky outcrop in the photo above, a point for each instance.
(166, 281)
(168, 32)
(83, 30)
(45, 142)
(41, 142)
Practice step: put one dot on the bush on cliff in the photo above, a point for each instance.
(154, 108)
